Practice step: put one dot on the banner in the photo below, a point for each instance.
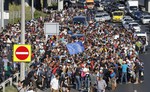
(75, 48)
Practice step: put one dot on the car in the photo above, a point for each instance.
(111, 9)
(81, 1)
(81, 4)
(117, 16)
(81, 20)
(134, 27)
(106, 2)
(126, 16)
(137, 15)
(99, 11)
(106, 16)
(100, 7)
(97, 3)
(145, 19)
(99, 17)
(120, 6)
(126, 19)
(126, 24)
(73, 1)
(142, 35)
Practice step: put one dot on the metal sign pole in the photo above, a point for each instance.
(32, 9)
(22, 71)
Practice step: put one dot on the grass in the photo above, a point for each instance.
(10, 89)
(13, 7)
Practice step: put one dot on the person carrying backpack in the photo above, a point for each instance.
(112, 79)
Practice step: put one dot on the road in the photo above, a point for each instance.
(143, 87)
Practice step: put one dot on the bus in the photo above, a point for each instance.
(90, 4)
(117, 16)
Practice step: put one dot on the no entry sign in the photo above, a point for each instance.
(22, 53)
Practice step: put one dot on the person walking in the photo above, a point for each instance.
(93, 78)
(55, 84)
(101, 85)
(77, 76)
(113, 79)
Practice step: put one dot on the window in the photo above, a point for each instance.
(118, 13)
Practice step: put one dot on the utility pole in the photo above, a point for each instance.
(2, 13)
(60, 5)
(149, 6)
(32, 9)
(22, 71)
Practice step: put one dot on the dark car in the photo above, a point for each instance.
(137, 15)
(97, 2)
(82, 20)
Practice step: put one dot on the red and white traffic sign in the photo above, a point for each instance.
(22, 53)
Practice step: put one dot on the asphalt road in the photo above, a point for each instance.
(143, 87)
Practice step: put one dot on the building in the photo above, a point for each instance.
(145, 4)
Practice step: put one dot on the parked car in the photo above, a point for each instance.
(145, 19)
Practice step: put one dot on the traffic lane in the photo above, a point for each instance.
(146, 57)
(136, 87)
(128, 88)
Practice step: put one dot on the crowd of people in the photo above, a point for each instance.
(111, 55)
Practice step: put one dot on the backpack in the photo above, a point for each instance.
(112, 75)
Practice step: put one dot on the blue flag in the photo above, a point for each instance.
(75, 48)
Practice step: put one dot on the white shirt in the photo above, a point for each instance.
(30, 91)
(86, 70)
(55, 84)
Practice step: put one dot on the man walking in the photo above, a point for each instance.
(101, 85)
(55, 84)
(124, 72)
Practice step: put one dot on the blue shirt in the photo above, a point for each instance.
(124, 68)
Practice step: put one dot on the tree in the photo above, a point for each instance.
(38, 5)
(45, 4)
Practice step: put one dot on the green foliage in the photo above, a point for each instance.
(54, 4)
(10, 89)
(17, 8)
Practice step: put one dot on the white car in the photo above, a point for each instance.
(106, 16)
(121, 6)
(126, 25)
(99, 17)
(73, 1)
(134, 26)
(142, 35)
(127, 19)
(145, 19)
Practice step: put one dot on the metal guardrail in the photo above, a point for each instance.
(3, 84)
(10, 81)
